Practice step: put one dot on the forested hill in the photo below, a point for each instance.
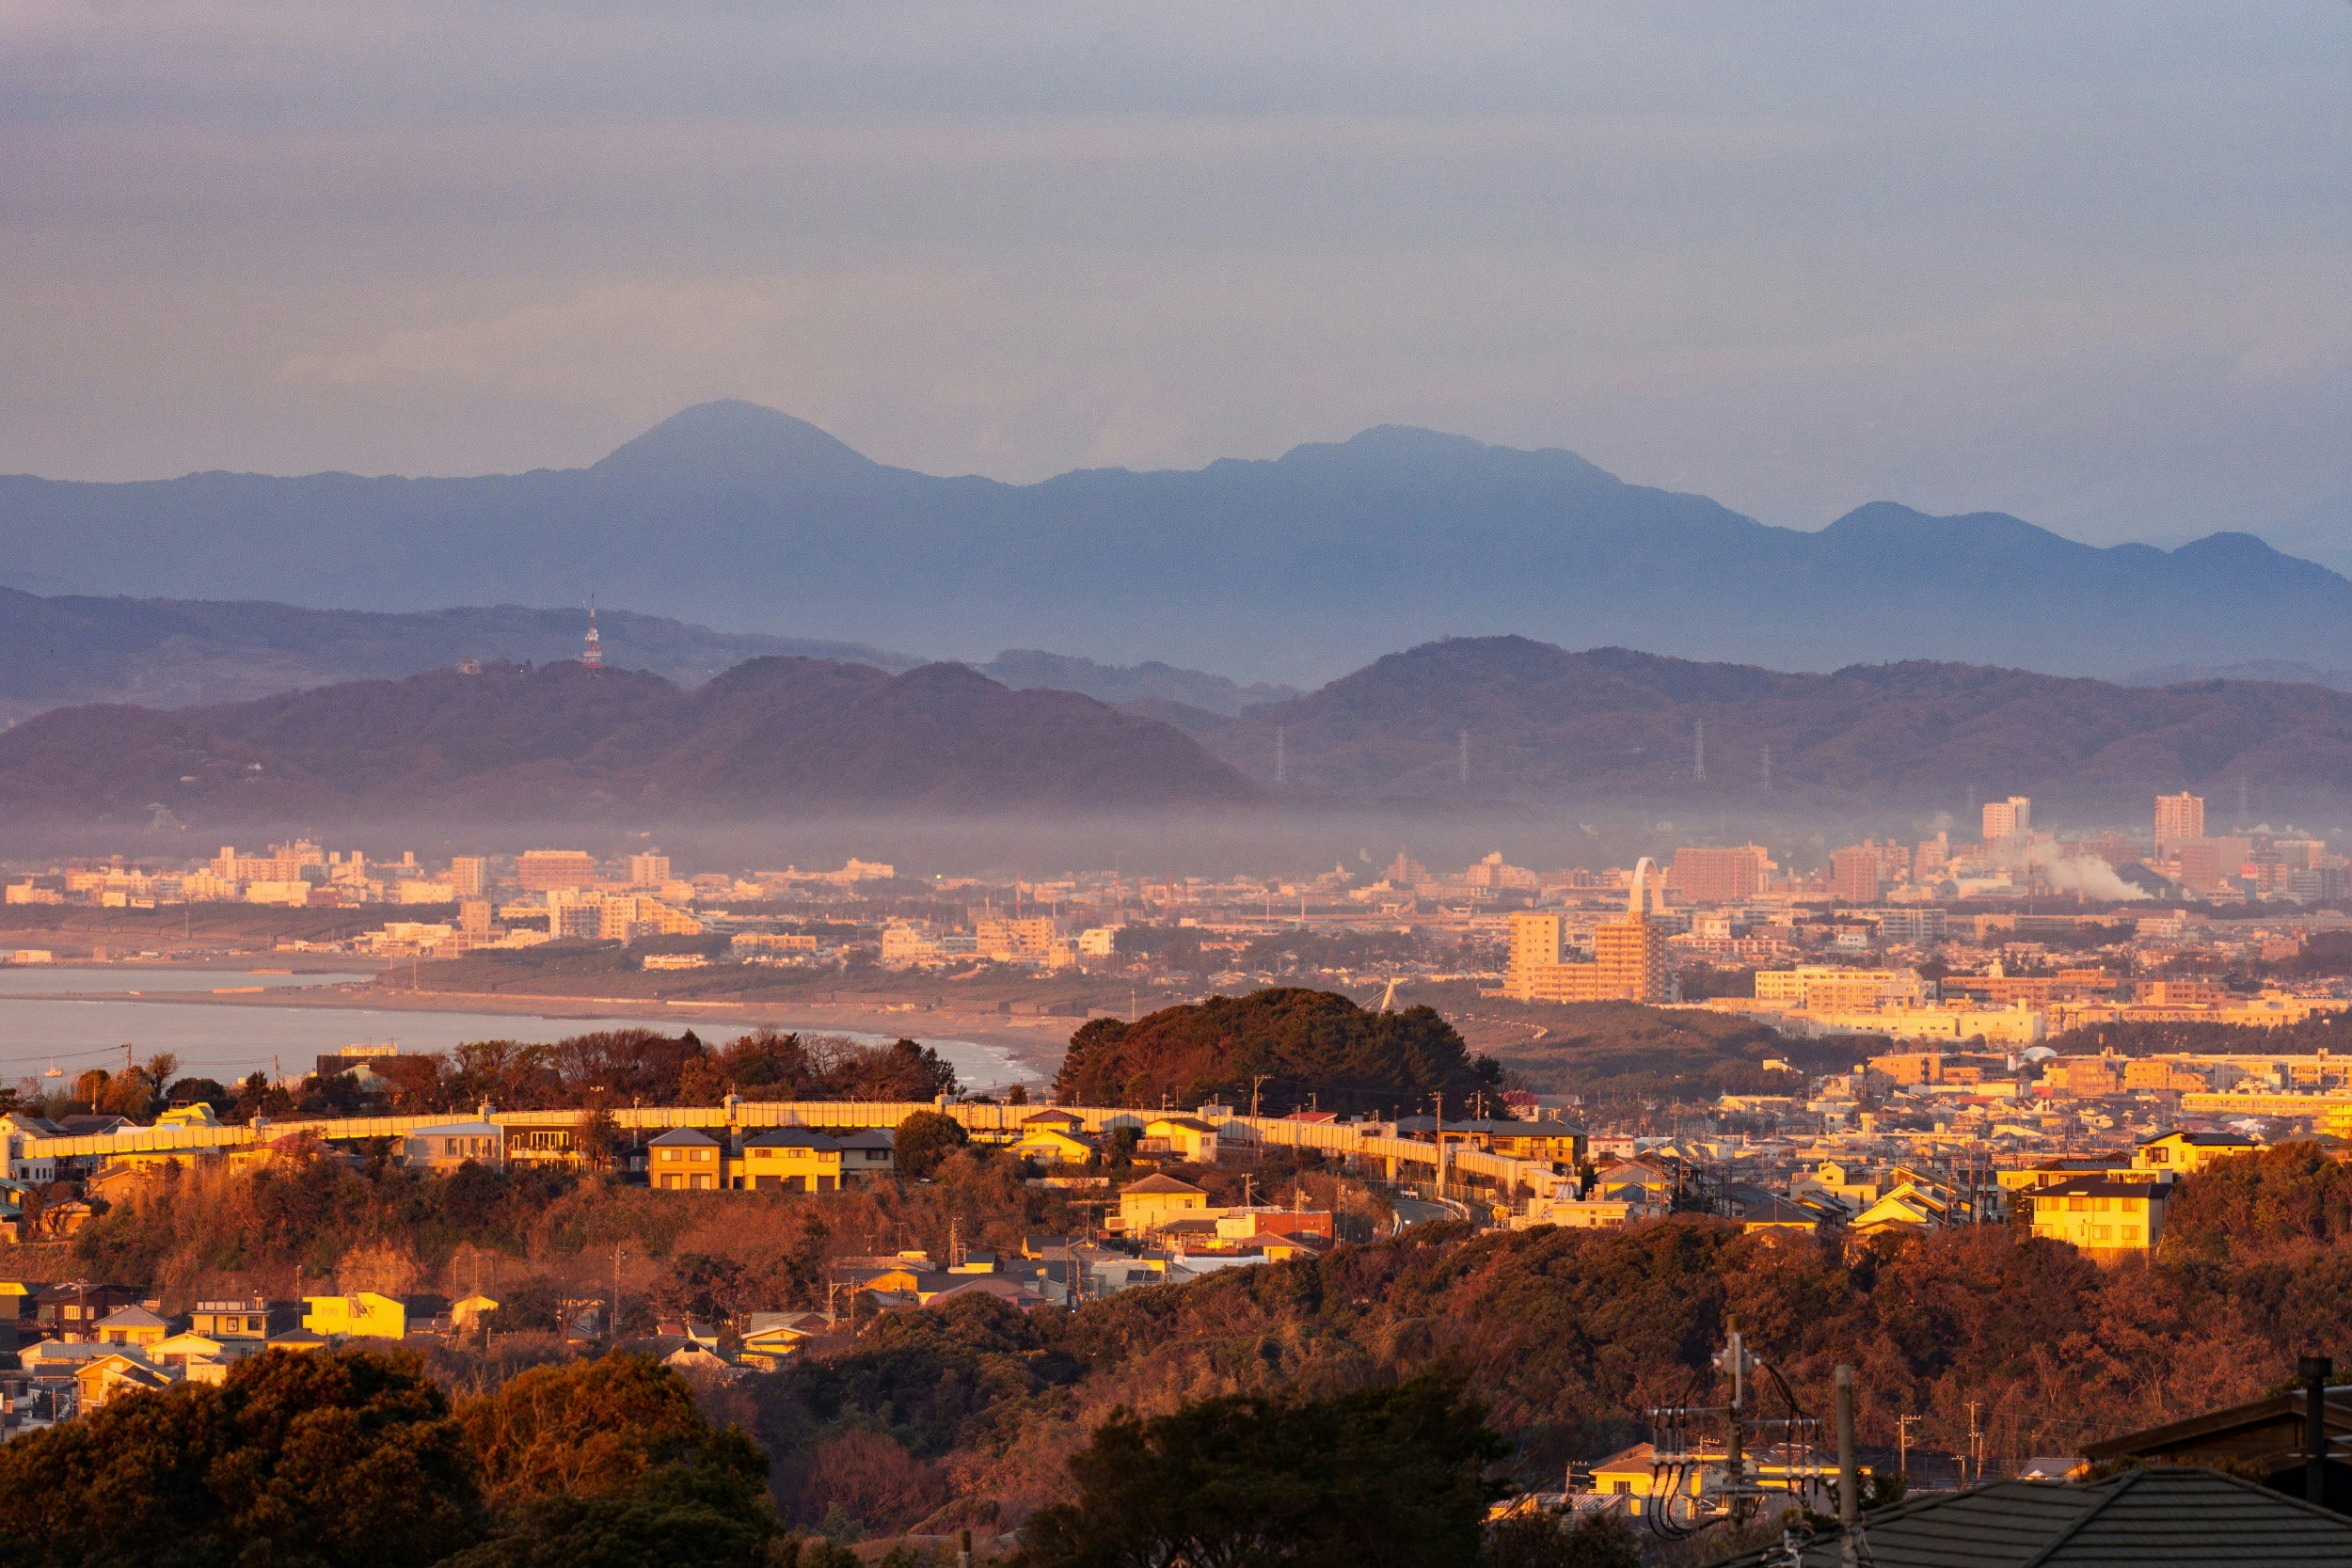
(1290, 1045)
(1473, 720)
(522, 744)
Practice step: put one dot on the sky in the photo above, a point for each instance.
(2082, 262)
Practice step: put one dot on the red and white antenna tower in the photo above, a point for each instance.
(592, 656)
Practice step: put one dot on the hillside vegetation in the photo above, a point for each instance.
(1291, 1045)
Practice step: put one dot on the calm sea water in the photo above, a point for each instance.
(39, 1027)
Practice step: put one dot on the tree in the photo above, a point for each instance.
(1370, 1479)
(293, 1460)
(924, 1139)
(606, 1463)
(1552, 1541)
(585, 1429)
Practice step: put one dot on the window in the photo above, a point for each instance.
(2131, 1233)
(2078, 1205)
(2099, 1232)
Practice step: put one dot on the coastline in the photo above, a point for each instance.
(1036, 1045)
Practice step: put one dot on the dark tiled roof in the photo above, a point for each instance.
(792, 1137)
(2149, 1518)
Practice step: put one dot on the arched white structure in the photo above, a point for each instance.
(1643, 870)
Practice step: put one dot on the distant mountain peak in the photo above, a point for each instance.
(732, 443)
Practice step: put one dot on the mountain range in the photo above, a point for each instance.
(1456, 727)
(766, 739)
(187, 653)
(1507, 719)
(1303, 565)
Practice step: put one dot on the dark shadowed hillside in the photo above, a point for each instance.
(1301, 565)
(510, 743)
(1614, 726)
(180, 653)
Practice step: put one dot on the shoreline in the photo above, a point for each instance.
(1035, 1044)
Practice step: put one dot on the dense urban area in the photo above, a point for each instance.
(2040, 1133)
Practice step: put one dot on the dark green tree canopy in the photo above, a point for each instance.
(1376, 1478)
(1307, 1043)
(295, 1459)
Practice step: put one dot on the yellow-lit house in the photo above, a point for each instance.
(2187, 1153)
(133, 1327)
(2109, 1219)
(1556, 1142)
(104, 1377)
(1145, 1206)
(469, 1312)
(1188, 1138)
(236, 1318)
(1632, 1474)
(1053, 1142)
(361, 1315)
(683, 1160)
(789, 1158)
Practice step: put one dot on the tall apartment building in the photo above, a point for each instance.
(1705, 876)
(539, 870)
(648, 870)
(2179, 818)
(1631, 961)
(470, 874)
(2008, 822)
(1853, 874)
(1013, 940)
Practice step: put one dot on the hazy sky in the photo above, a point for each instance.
(2089, 263)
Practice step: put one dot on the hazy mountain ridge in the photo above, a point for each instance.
(1611, 726)
(771, 736)
(186, 653)
(1313, 561)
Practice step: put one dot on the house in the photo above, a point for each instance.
(361, 1315)
(1055, 1144)
(1146, 1204)
(1588, 1213)
(868, 1155)
(1907, 1207)
(2187, 1153)
(1009, 1290)
(772, 1339)
(1185, 1138)
(683, 1159)
(1549, 1142)
(1759, 1212)
(297, 1340)
(455, 1144)
(2156, 1517)
(2106, 1218)
(239, 1318)
(2261, 1437)
(789, 1158)
(71, 1312)
(179, 1351)
(106, 1377)
(468, 1313)
(133, 1326)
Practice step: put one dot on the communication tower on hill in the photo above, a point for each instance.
(592, 655)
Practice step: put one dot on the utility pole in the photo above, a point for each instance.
(1902, 1443)
(1849, 1475)
(1975, 1448)
(612, 1324)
